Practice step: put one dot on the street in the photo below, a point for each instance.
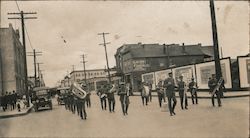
(202, 120)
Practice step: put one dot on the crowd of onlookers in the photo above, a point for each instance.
(11, 101)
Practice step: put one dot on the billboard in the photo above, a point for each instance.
(149, 78)
(244, 71)
(205, 70)
(186, 71)
(161, 75)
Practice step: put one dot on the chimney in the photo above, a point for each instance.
(164, 48)
(17, 33)
(183, 48)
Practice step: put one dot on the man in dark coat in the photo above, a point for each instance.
(212, 85)
(111, 97)
(182, 92)
(169, 85)
(193, 90)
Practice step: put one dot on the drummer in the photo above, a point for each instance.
(103, 96)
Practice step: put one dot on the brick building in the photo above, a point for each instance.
(134, 59)
(12, 72)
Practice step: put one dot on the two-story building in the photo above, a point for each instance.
(12, 69)
(134, 59)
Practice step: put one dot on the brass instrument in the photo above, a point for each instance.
(78, 91)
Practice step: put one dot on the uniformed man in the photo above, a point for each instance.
(101, 93)
(87, 98)
(183, 96)
(160, 92)
(144, 95)
(111, 97)
(124, 97)
(169, 85)
(212, 84)
(193, 90)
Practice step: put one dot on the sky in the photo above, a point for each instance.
(127, 22)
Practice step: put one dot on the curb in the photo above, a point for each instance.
(16, 115)
(209, 97)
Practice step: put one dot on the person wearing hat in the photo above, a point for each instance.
(87, 98)
(123, 92)
(103, 97)
(212, 85)
(160, 92)
(193, 90)
(169, 86)
(181, 88)
(111, 97)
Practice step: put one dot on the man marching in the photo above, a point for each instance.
(212, 83)
(111, 97)
(102, 94)
(182, 92)
(193, 90)
(124, 98)
(170, 86)
(160, 92)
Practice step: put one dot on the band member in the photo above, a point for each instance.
(150, 92)
(87, 98)
(212, 84)
(111, 97)
(182, 92)
(160, 92)
(193, 90)
(169, 85)
(124, 98)
(82, 109)
(102, 94)
(145, 93)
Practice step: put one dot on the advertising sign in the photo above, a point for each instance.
(187, 72)
(244, 71)
(161, 75)
(205, 70)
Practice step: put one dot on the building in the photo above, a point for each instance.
(134, 59)
(12, 61)
(94, 78)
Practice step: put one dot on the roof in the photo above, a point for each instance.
(156, 50)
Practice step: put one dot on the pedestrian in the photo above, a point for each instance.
(169, 86)
(160, 92)
(182, 92)
(193, 90)
(212, 83)
(123, 92)
(111, 97)
(18, 106)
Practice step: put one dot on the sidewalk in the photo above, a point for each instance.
(205, 95)
(15, 113)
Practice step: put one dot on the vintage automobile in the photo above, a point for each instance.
(62, 92)
(41, 97)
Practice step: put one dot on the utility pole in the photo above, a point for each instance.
(39, 73)
(34, 54)
(24, 49)
(84, 69)
(73, 67)
(104, 44)
(215, 42)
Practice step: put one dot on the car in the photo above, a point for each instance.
(41, 97)
(62, 92)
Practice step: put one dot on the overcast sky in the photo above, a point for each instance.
(79, 22)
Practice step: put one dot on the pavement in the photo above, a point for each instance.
(199, 121)
(201, 95)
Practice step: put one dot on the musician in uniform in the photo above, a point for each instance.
(150, 92)
(145, 93)
(169, 85)
(87, 98)
(123, 92)
(102, 94)
(111, 97)
(160, 92)
(193, 90)
(212, 83)
(182, 93)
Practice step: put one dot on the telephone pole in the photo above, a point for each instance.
(215, 42)
(73, 67)
(84, 69)
(35, 54)
(104, 44)
(24, 49)
(39, 73)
